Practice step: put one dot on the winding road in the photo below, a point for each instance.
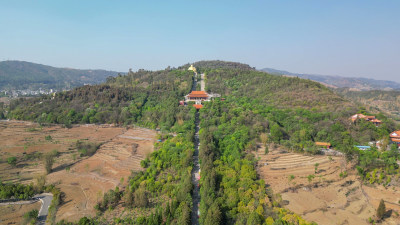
(46, 199)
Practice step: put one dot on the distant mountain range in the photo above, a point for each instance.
(354, 83)
(20, 75)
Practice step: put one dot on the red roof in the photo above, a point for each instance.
(395, 134)
(198, 94)
(396, 139)
(323, 144)
(375, 121)
(197, 106)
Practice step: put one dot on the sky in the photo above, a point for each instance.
(346, 38)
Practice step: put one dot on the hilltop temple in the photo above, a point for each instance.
(192, 68)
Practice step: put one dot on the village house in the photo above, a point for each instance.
(371, 119)
(395, 137)
(325, 145)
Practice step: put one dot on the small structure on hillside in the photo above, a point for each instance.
(325, 145)
(371, 119)
(395, 137)
(363, 148)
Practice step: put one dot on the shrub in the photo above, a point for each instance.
(12, 161)
(87, 148)
(31, 216)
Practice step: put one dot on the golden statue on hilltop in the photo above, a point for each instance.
(192, 68)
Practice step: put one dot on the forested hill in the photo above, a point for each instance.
(357, 83)
(218, 64)
(271, 90)
(144, 97)
(26, 75)
(151, 97)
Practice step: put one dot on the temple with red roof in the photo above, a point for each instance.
(197, 96)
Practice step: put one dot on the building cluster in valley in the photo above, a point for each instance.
(325, 147)
(26, 92)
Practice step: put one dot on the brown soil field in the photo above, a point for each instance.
(13, 214)
(327, 199)
(83, 180)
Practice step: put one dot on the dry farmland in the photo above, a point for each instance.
(82, 179)
(327, 198)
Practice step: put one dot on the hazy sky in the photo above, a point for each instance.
(348, 38)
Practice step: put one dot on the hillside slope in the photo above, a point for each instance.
(256, 108)
(357, 83)
(145, 97)
(378, 100)
(26, 75)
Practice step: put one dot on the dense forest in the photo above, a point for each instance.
(230, 191)
(144, 97)
(257, 108)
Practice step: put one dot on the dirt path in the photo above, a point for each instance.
(196, 174)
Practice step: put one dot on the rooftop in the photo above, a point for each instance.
(198, 94)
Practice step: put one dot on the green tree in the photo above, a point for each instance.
(48, 162)
(380, 212)
(185, 216)
(254, 219)
(40, 183)
(213, 215)
(128, 197)
(140, 198)
(31, 217)
(276, 133)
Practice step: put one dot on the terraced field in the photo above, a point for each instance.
(327, 198)
(86, 181)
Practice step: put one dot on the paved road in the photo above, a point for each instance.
(202, 83)
(194, 82)
(46, 199)
(196, 174)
